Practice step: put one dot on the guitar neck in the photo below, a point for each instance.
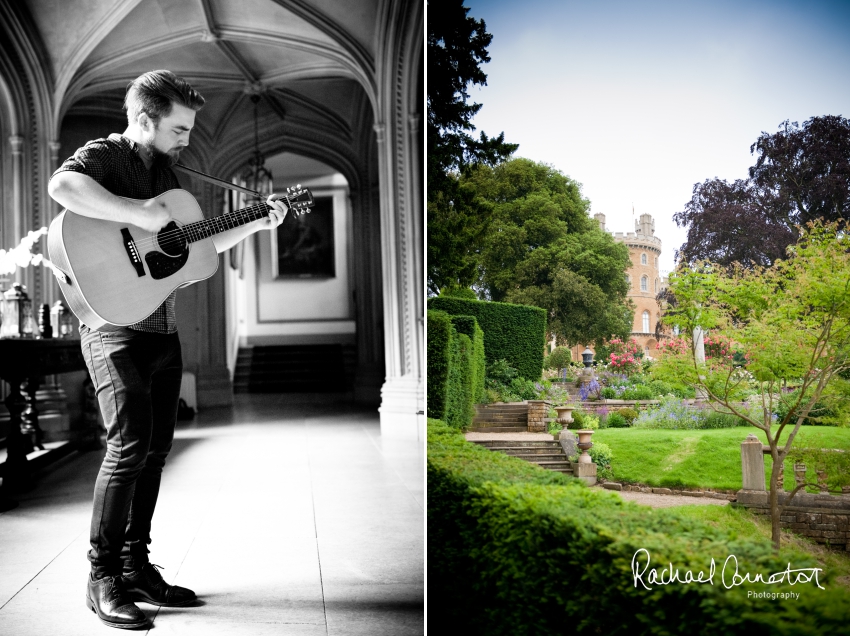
(200, 230)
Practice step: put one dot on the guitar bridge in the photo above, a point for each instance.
(132, 252)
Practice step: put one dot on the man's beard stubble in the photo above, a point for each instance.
(159, 158)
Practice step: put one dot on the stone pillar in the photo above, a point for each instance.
(537, 411)
(752, 463)
(17, 144)
(368, 303)
(402, 395)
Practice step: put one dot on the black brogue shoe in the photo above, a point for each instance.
(108, 599)
(147, 585)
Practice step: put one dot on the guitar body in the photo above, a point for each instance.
(117, 274)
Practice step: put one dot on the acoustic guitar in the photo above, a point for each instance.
(117, 274)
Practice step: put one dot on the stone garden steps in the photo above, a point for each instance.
(545, 454)
(500, 418)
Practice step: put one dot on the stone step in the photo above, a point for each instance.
(534, 450)
(533, 443)
(495, 417)
(548, 455)
(498, 429)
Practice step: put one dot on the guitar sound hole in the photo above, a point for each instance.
(171, 240)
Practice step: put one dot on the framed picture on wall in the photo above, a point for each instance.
(303, 245)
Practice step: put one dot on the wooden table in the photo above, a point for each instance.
(23, 364)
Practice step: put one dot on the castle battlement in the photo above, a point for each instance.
(637, 237)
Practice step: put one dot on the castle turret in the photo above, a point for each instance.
(600, 218)
(645, 226)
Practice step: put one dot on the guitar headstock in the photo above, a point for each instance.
(299, 199)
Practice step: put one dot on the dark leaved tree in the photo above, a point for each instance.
(802, 173)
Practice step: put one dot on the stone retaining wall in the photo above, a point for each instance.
(709, 493)
(824, 518)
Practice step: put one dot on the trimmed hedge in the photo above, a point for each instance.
(439, 358)
(514, 549)
(516, 333)
(468, 325)
(455, 368)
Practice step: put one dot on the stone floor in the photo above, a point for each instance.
(286, 514)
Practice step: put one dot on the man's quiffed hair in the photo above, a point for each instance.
(154, 92)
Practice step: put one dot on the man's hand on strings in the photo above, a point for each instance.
(154, 215)
(277, 213)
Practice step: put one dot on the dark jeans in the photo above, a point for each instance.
(137, 378)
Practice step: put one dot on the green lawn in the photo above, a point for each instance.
(698, 459)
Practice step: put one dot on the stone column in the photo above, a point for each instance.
(17, 144)
(537, 411)
(402, 390)
(752, 463)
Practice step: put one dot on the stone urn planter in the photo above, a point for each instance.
(584, 445)
(565, 414)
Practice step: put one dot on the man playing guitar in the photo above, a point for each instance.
(136, 369)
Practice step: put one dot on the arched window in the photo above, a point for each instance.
(646, 322)
(644, 283)
(656, 285)
(643, 259)
(656, 262)
(629, 280)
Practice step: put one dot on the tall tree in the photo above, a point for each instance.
(792, 320)
(457, 47)
(543, 249)
(802, 173)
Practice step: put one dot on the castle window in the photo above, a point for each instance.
(646, 322)
(629, 281)
(656, 285)
(643, 259)
(644, 283)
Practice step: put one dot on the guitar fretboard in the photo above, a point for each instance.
(209, 227)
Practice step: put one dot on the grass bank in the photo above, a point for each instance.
(744, 525)
(701, 458)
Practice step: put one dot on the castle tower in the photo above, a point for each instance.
(645, 280)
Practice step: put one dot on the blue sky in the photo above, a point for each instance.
(638, 101)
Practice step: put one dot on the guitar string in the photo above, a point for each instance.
(242, 216)
(165, 237)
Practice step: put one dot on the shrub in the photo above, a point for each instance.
(529, 551)
(469, 325)
(629, 414)
(516, 333)
(453, 380)
(822, 413)
(615, 420)
(660, 387)
(498, 382)
(525, 389)
(560, 358)
(638, 392)
(586, 421)
(624, 357)
(439, 357)
(602, 455)
(609, 393)
(460, 402)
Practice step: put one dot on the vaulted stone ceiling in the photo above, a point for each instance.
(313, 63)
